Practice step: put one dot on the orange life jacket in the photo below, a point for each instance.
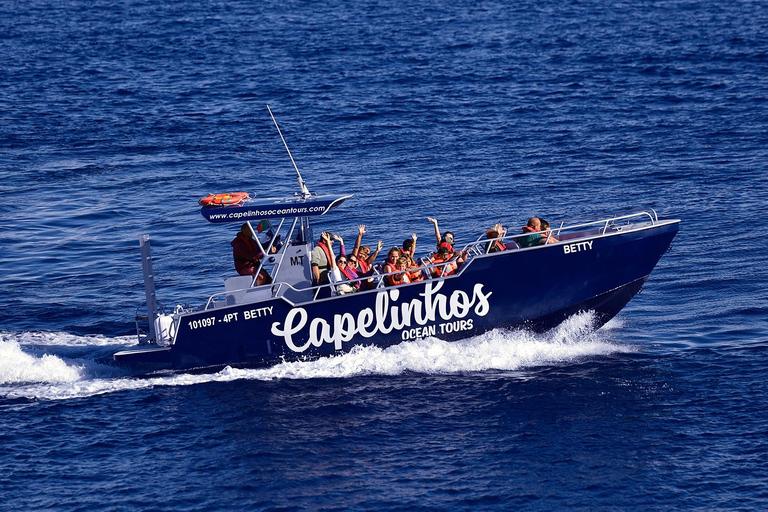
(446, 270)
(246, 254)
(497, 246)
(415, 274)
(395, 279)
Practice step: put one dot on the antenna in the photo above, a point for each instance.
(302, 184)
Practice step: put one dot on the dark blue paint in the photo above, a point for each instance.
(255, 209)
(115, 117)
(602, 279)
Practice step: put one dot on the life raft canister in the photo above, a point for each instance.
(224, 199)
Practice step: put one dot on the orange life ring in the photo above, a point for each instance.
(224, 199)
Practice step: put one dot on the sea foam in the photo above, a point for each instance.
(17, 366)
(51, 378)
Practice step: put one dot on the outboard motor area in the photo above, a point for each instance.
(162, 327)
(149, 290)
(165, 330)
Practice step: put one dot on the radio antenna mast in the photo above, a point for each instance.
(302, 184)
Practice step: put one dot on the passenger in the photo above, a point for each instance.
(403, 263)
(415, 272)
(351, 272)
(460, 256)
(444, 256)
(365, 259)
(534, 238)
(360, 232)
(342, 250)
(363, 253)
(494, 234)
(247, 255)
(447, 238)
(322, 261)
(548, 237)
(409, 246)
(341, 277)
(400, 264)
(390, 265)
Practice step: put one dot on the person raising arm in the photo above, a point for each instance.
(360, 232)
(438, 238)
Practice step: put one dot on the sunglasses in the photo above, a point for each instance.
(342, 262)
(353, 261)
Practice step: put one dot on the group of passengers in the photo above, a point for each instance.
(355, 271)
(537, 232)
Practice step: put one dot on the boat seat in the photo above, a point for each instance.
(237, 283)
(377, 271)
(334, 282)
(338, 284)
(511, 245)
(238, 286)
(424, 262)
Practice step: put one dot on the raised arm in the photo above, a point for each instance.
(360, 233)
(372, 257)
(326, 237)
(437, 229)
(342, 250)
(413, 247)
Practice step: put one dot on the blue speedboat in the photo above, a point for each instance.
(595, 265)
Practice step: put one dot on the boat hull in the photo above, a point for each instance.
(535, 288)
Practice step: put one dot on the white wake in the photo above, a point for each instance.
(27, 371)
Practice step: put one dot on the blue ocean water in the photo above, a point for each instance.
(115, 117)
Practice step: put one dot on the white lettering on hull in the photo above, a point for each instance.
(257, 313)
(581, 246)
(387, 316)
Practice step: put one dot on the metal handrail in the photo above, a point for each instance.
(471, 249)
(555, 231)
(601, 224)
(277, 288)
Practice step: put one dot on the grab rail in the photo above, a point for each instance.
(601, 225)
(472, 249)
(280, 289)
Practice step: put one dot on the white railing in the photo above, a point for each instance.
(575, 229)
(566, 230)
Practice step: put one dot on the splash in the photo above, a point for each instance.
(46, 338)
(517, 350)
(17, 366)
(53, 358)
